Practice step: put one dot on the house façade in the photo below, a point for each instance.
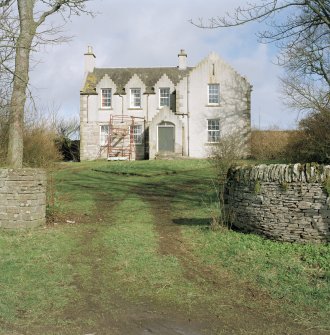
(143, 113)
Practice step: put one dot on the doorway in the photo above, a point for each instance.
(166, 137)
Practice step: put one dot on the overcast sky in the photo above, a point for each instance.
(127, 33)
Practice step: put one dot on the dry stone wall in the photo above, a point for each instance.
(282, 202)
(22, 198)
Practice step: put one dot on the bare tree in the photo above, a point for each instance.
(304, 19)
(8, 33)
(303, 94)
(301, 31)
(31, 15)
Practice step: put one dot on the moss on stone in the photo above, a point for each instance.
(326, 185)
(90, 83)
(284, 186)
(257, 187)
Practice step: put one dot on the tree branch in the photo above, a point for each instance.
(252, 13)
(324, 13)
(56, 7)
(75, 6)
(5, 3)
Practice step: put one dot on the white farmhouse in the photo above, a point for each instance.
(143, 113)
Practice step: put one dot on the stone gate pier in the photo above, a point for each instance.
(22, 198)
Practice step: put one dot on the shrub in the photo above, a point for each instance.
(40, 149)
(67, 131)
(223, 155)
(69, 149)
(47, 138)
(39, 144)
(270, 144)
(312, 143)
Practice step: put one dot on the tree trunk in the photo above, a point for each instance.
(21, 78)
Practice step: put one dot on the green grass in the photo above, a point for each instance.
(45, 271)
(154, 168)
(137, 263)
(296, 273)
(293, 272)
(35, 275)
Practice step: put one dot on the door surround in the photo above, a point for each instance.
(167, 116)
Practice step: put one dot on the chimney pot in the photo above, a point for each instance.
(89, 60)
(182, 60)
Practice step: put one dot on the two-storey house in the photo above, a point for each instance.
(142, 113)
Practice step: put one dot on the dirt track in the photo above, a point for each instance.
(125, 317)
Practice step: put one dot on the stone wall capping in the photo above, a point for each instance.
(310, 172)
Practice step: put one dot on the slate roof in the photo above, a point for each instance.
(121, 76)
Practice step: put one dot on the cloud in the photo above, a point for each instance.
(150, 33)
(258, 65)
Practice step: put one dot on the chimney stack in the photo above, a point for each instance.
(182, 60)
(89, 60)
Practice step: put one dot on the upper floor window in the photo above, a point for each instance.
(213, 130)
(106, 96)
(164, 96)
(213, 94)
(104, 134)
(137, 134)
(135, 97)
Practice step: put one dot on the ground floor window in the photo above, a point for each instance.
(137, 134)
(213, 130)
(104, 134)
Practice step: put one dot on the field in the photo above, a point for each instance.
(129, 250)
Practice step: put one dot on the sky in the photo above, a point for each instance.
(150, 33)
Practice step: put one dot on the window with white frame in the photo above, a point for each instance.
(213, 94)
(106, 96)
(135, 97)
(213, 130)
(164, 96)
(104, 134)
(137, 134)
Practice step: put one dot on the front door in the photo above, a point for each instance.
(166, 137)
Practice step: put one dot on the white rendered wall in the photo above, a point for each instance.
(232, 110)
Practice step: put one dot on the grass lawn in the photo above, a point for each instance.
(134, 236)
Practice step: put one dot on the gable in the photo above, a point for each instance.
(135, 81)
(164, 81)
(105, 82)
(215, 67)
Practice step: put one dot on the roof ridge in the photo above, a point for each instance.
(143, 68)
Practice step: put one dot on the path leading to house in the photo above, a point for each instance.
(134, 272)
(242, 309)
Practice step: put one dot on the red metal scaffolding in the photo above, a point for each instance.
(121, 144)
